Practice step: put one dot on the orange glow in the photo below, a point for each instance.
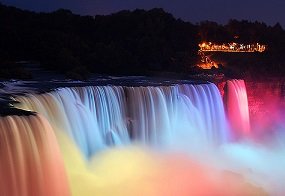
(232, 47)
(206, 62)
(207, 65)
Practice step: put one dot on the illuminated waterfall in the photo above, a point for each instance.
(206, 99)
(103, 115)
(111, 137)
(30, 161)
(92, 116)
(237, 107)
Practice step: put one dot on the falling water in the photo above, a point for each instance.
(91, 116)
(30, 161)
(237, 107)
(96, 117)
(207, 99)
(109, 136)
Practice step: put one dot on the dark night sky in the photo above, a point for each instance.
(268, 11)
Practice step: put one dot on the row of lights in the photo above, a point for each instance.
(232, 47)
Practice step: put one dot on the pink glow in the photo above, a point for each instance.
(237, 107)
(179, 124)
(266, 106)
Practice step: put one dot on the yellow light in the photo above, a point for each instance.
(232, 47)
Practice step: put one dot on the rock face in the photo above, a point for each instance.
(266, 100)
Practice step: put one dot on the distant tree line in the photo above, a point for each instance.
(123, 43)
(127, 42)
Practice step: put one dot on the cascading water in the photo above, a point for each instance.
(237, 107)
(91, 116)
(207, 99)
(98, 116)
(88, 121)
(30, 161)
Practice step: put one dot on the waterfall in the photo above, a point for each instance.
(30, 161)
(237, 107)
(91, 116)
(99, 116)
(118, 140)
(207, 99)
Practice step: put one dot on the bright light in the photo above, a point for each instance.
(206, 61)
(232, 47)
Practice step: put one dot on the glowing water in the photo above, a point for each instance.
(30, 161)
(237, 107)
(170, 140)
(98, 116)
(207, 100)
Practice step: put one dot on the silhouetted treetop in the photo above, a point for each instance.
(126, 42)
